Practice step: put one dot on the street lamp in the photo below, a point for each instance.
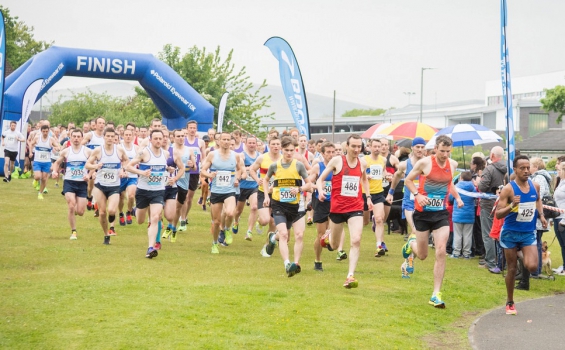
(409, 94)
(422, 91)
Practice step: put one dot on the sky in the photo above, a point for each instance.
(368, 51)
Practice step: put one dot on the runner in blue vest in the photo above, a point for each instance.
(520, 205)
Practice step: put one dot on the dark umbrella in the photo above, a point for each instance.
(404, 143)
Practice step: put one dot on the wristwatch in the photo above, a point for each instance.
(415, 193)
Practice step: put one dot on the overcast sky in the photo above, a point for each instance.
(369, 51)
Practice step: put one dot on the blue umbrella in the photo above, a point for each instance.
(466, 135)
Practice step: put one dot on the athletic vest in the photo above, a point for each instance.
(222, 183)
(523, 217)
(184, 180)
(195, 149)
(95, 141)
(327, 182)
(435, 186)
(171, 163)
(263, 168)
(239, 149)
(75, 165)
(109, 174)
(248, 183)
(131, 154)
(390, 169)
(158, 166)
(408, 199)
(347, 195)
(43, 150)
(285, 180)
(375, 169)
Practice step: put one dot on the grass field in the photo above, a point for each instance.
(62, 294)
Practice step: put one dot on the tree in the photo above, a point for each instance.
(363, 112)
(85, 106)
(211, 76)
(20, 44)
(554, 101)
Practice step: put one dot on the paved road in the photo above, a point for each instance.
(540, 324)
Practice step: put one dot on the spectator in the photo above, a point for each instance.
(559, 196)
(543, 179)
(477, 168)
(463, 218)
(492, 178)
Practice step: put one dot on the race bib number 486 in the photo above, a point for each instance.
(350, 186)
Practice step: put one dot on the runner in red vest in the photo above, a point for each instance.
(348, 180)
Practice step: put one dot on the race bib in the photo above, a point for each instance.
(376, 172)
(42, 154)
(350, 186)
(223, 178)
(107, 176)
(157, 177)
(286, 195)
(249, 178)
(11, 139)
(435, 203)
(526, 212)
(328, 188)
(76, 170)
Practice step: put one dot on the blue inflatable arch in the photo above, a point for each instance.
(177, 101)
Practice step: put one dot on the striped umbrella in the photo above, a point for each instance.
(374, 132)
(466, 135)
(409, 130)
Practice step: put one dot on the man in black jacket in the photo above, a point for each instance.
(493, 176)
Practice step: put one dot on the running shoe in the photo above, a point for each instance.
(410, 264)
(122, 219)
(318, 266)
(309, 221)
(107, 240)
(157, 245)
(182, 226)
(380, 252)
(403, 269)
(351, 282)
(235, 227)
(133, 211)
(291, 269)
(383, 245)
(263, 252)
(298, 269)
(39, 196)
(215, 249)
(89, 205)
(406, 248)
(511, 308)
(73, 235)
(35, 183)
(436, 301)
(6, 179)
(45, 191)
(204, 207)
(151, 253)
(112, 232)
(221, 237)
(325, 240)
(258, 228)
(271, 245)
(341, 255)
(249, 235)
(167, 232)
(200, 201)
(229, 237)
(174, 237)
(128, 218)
(208, 201)
(247, 202)
(56, 184)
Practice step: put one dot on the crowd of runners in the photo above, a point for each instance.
(152, 174)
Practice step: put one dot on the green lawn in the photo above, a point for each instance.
(81, 294)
